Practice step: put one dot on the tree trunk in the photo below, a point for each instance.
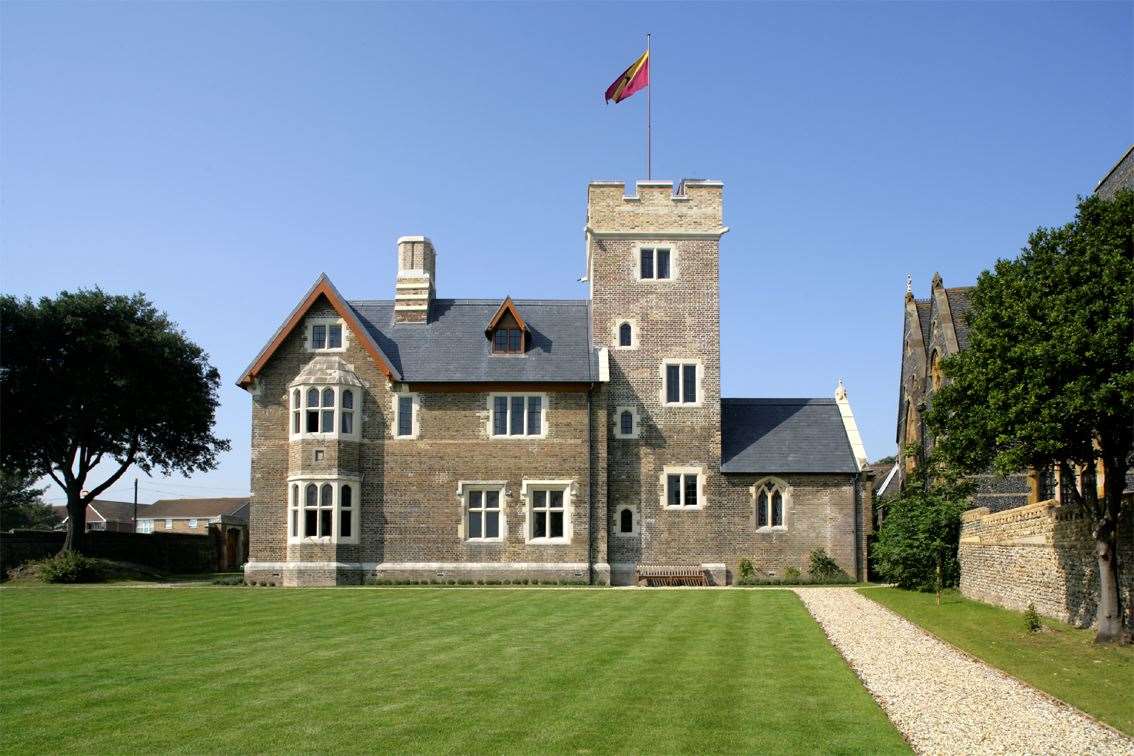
(76, 522)
(1109, 617)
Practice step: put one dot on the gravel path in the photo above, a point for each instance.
(942, 700)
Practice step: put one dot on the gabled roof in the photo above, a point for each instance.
(211, 507)
(451, 347)
(769, 436)
(322, 288)
(507, 307)
(104, 510)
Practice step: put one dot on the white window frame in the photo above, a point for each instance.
(635, 522)
(324, 321)
(683, 471)
(145, 526)
(636, 429)
(785, 493)
(296, 504)
(699, 389)
(525, 436)
(464, 488)
(617, 336)
(415, 416)
(654, 247)
(169, 523)
(193, 522)
(527, 493)
(339, 411)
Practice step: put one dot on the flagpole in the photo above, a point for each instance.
(649, 109)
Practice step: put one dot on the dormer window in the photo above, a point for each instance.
(507, 341)
(506, 330)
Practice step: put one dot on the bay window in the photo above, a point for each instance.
(323, 509)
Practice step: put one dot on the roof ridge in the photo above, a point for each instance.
(779, 400)
(478, 301)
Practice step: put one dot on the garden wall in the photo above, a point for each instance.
(1041, 553)
(166, 552)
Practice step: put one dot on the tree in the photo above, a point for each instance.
(20, 503)
(917, 543)
(89, 376)
(1048, 376)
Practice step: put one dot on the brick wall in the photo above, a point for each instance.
(1040, 553)
(167, 552)
(410, 513)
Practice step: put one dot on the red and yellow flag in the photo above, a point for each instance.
(636, 77)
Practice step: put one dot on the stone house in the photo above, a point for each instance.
(427, 438)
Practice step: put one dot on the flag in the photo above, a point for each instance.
(636, 77)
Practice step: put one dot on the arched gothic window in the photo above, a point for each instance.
(625, 335)
(770, 505)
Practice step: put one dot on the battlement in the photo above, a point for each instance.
(695, 207)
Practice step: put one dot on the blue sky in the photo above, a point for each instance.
(219, 156)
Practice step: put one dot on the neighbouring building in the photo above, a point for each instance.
(1022, 543)
(115, 516)
(420, 437)
(224, 518)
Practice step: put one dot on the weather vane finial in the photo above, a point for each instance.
(909, 283)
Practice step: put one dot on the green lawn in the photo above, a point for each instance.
(1062, 660)
(103, 669)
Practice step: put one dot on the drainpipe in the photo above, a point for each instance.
(590, 485)
(859, 545)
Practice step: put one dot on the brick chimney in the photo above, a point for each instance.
(414, 287)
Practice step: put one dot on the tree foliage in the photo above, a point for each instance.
(20, 504)
(917, 543)
(89, 376)
(1048, 375)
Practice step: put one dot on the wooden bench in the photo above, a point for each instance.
(653, 576)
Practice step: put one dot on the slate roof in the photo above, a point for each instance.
(181, 508)
(784, 436)
(111, 511)
(959, 306)
(452, 348)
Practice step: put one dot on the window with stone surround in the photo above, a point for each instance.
(324, 412)
(549, 519)
(406, 411)
(325, 335)
(626, 522)
(484, 513)
(517, 415)
(654, 264)
(771, 505)
(626, 422)
(683, 488)
(681, 382)
(323, 509)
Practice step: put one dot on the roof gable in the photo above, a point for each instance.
(322, 288)
(507, 308)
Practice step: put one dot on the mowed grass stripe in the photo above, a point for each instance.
(191, 669)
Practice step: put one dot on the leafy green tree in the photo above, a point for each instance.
(917, 543)
(1048, 376)
(20, 503)
(87, 377)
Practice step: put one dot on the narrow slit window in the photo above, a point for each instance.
(625, 335)
(405, 415)
(626, 420)
(626, 521)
